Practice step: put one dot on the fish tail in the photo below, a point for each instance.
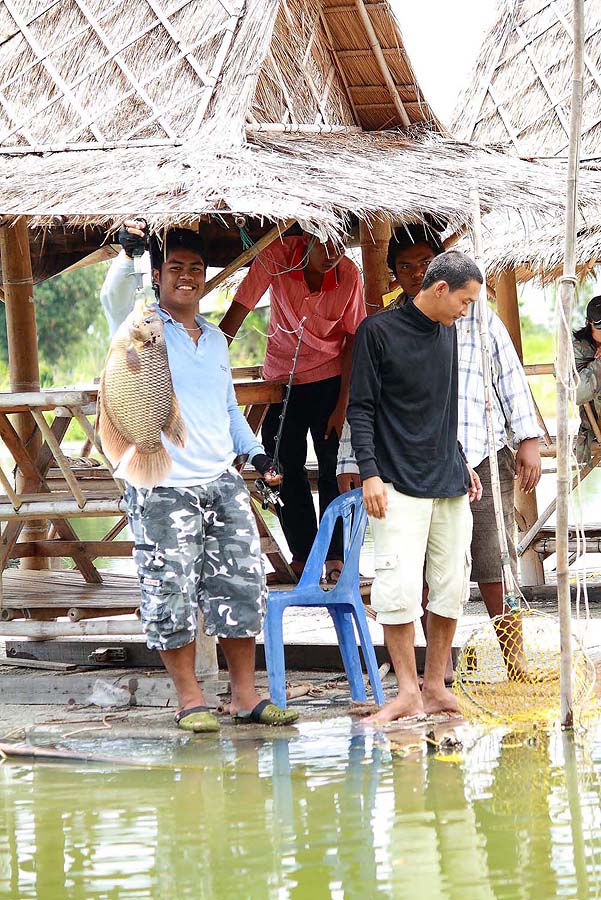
(175, 427)
(148, 469)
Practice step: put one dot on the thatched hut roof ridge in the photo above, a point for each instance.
(519, 93)
(84, 72)
(519, 97)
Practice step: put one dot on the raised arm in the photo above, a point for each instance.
(250, 291)
(119, 288)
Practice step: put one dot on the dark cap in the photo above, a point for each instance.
(593, 312)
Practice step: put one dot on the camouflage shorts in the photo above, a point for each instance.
(197, 547)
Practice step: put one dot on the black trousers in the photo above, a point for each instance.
(309, 409)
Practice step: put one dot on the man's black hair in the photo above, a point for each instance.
(406, 236)
(585, 333)
(177, 239)
(453, 267)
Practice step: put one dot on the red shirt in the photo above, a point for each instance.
(331, 313)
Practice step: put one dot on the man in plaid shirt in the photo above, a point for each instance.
(515, 425)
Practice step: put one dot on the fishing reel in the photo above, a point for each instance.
(269, 495)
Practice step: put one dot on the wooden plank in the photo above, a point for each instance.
(58, 548)
(77, 687)
(23, 401)
(65, 509)
(44, 631)
(249, 392)
(37, 664)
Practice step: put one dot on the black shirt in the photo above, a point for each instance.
(403, 404)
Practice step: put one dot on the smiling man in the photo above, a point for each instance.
(196, 543)
(416, 482)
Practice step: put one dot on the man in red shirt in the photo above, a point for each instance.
(314, 283)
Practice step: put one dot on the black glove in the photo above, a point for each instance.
(262, 463)
(133, 244)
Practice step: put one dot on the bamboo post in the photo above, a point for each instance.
(374, 237)
(567, 290)
(22, 351)
(531, 566)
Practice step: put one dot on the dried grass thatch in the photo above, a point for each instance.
(180, 108)
(284, 176)
(519, 97)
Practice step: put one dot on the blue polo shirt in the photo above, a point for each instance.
(202, 381)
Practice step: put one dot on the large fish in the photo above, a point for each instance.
(137, 402)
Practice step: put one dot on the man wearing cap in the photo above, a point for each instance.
(313, 283)
(587, 354)
(515, 425)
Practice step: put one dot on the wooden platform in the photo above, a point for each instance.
(47, 594)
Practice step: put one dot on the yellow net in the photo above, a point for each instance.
(509, 669)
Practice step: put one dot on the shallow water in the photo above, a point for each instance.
(336, 812)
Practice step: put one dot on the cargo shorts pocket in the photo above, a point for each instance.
(386, 595)
(165, 607)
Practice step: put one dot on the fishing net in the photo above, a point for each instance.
(509, 668)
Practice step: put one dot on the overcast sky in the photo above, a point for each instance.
(442, 39)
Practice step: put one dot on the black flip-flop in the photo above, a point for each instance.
(266, 713)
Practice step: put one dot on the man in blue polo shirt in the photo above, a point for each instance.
(195, 538)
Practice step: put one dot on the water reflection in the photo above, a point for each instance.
(334, 813)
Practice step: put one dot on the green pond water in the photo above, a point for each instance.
(334, 812)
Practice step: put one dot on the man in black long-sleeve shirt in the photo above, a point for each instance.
(416, 482)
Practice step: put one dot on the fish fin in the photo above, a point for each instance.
(132, 358)
(148, 469)
(175, 427)
(114, 444)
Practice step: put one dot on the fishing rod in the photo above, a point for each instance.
(268, 494)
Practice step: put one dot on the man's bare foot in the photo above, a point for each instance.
(404, 705)
(439, 700)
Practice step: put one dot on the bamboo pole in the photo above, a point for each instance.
(567, 290)
(23, 362)
(249, 254)
(374, 239)
(376, 49)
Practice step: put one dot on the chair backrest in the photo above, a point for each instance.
(348, 507)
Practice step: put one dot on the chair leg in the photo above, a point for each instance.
(343, 622)
(274, 655)
(369, 654)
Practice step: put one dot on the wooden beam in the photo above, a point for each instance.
(508, 308)
(383, 65)
(249, 254)
(58, 548)
(376, 274)
(22, 337)
(300, 128)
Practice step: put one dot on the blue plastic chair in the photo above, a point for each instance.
(343, 602)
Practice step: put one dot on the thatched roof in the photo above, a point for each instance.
(519, 97)
(179, 108)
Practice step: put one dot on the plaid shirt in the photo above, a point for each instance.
(513, 409)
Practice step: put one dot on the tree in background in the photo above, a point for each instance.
(72, 331)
